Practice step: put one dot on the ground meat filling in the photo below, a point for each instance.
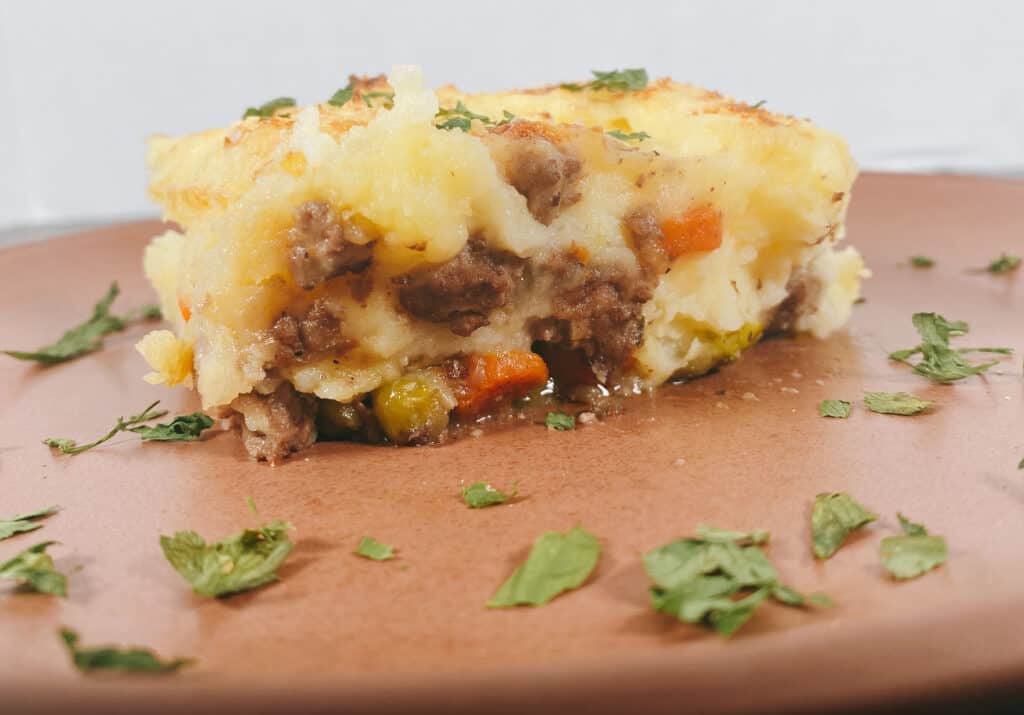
(319, 330)
(275, 425)
(597, 310)
(802, 297)
(648, 241)
(324, 247)
(463, 291)
(545, 175)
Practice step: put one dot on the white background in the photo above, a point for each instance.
(921, 86)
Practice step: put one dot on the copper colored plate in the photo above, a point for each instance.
(339, 632)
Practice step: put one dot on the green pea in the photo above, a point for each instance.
(337, 421)
(413, 409)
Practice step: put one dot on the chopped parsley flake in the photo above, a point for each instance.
(557, 563)
(341, 97)
(149, 311)
(914, 553)
(387, 98)
(370, 548)
(33, 568)
(834, 408)
(629, 80)
(939, 361)
(833, 518)
(184, 428)
(560, 421)
(911, 528)
(70, 446)
(88, 337)
(129, 660)
(717, 582)
(631, 137)
(895, 403)
(1006, 263)
(461, 118)
(346, 93)
(22, 523)
(759, 104)
(482, 494)
(922, 261)
(713, 534)
(237, 563)
(268, 109)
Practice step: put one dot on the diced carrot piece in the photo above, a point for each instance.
(184, 309)
(579, 253)
(699, 229)
(496, 377)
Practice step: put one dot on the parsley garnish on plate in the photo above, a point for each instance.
(268, 109)
(631, 137)
(1020, 464)
(939, 361)
(833, 518)
(718, 582)
(134, 660)
(758, 104)
(560, 421)
(922, 261)
(895, 403)
(237, 563)
(184, 428)
(88, 336)
(911, 528)
(33, 568)
(839, 409)
(21, 523)
(914, 553)
(557, 563)
(461, 118)
(1006, 263)
(629, 80)
(70, 446)
(147, 311)
(370, 548)
(481, 494)
(712, 534)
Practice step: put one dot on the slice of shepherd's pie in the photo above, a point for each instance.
(398, 263)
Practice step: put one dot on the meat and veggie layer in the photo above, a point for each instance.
(401, 263)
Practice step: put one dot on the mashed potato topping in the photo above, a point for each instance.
(335, 249)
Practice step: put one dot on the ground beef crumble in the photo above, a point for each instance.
(463, 291)
(597, 310)
(324, 246)
(277, 424)
(648, 241)
(318, 330)
(802, 294)
(545, 175)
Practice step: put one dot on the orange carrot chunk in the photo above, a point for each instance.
(498, 377)
(184, 309)
(699, 229)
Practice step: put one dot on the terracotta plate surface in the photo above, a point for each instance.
(339, 633)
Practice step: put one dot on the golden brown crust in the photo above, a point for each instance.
(378, 83)
(527, 129)
(181, 168)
